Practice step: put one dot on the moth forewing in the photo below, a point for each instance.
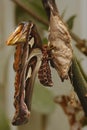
(27, 62)
(60, 42)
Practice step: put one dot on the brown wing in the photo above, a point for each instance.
(44, 73)
(27, 62)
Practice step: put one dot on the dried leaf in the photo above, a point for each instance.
(71, 111)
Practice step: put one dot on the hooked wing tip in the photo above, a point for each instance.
(19, 34)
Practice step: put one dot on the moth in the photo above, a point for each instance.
(32, 57)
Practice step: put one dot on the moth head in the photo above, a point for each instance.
(19, 35)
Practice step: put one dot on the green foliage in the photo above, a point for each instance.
(45, 41)
(79, 84)
(63, 13)
(82, 71)
(70, 21)
(35, 7)
(42, 100)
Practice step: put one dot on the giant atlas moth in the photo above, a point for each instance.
(32, 57)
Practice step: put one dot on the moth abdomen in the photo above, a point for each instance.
(44, 73)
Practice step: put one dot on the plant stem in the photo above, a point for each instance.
(81, 44)
(75, 37)
(39, 19)
(80, 85)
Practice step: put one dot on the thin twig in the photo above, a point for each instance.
(75, 37)
(80, 42)
(30, 12)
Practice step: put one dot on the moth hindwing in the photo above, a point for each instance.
(44, 73)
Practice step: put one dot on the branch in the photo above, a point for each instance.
(81, 44)
(39, 19)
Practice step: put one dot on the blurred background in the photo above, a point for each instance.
(45, 114)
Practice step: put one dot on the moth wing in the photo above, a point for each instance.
(27, 62)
